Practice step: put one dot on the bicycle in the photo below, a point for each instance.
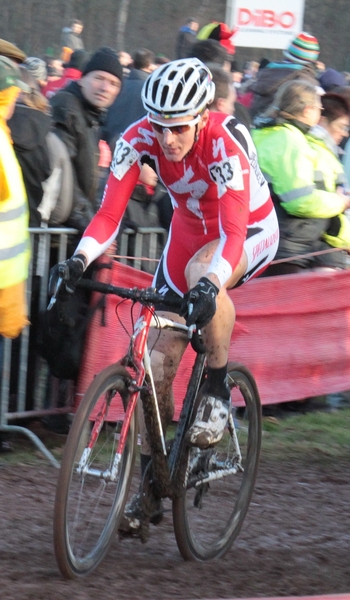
(99, 455)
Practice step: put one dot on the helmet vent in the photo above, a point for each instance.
(155, 90)
(165, 92)
(163, 70)
(177, 93)
(188, 74)
(191, 94)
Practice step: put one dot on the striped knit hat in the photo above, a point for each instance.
(303, 49)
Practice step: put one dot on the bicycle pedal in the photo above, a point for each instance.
(134, 529)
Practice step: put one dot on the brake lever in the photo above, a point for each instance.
(192, 328)
(54, 295)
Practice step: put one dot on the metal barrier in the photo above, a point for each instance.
(147, 244)
(43, 239)
(142, 249)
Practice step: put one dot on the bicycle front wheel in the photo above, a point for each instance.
(209, 514)
(94, 481)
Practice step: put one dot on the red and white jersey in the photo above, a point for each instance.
(217, 191)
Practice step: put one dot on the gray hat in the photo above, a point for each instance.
(36, 67)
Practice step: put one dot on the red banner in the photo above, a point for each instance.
(292, 332)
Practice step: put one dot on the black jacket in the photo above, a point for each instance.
(29, 128)
(77, 123)
(184, 42)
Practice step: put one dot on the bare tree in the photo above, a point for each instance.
(203, 7)
(122, 19)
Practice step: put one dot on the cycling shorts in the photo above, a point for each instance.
(260, 246)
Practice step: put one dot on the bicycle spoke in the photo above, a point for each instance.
(94, 479)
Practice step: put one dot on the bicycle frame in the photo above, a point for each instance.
(138, 358)
(97, 470)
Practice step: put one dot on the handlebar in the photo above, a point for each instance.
(146, 296)
(143, 295)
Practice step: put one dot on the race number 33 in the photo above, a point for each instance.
(227, 174)
(123, 159)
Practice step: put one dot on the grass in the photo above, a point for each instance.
(24, 451)
(316, 435)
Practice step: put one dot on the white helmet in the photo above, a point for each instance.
(178, 89)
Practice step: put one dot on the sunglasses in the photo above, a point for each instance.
(175, 128)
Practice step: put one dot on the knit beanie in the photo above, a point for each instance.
(331, 79)
(105, 59)
(304, 49)
(77, 60)
(36, 67)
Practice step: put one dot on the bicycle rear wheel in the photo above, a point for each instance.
(209, 514)
(93, 481)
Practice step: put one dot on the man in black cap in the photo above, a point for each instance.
(77, 112)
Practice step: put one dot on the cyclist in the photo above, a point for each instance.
(224, 229)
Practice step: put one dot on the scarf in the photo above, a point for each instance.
(7, 97)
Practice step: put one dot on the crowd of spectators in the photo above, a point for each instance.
(68, 112)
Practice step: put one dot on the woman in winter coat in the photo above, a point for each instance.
(325, 138)
(43, 157)
(290, 165)
(29, 127)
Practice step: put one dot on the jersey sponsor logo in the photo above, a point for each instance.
(145, 137)
(271, 240)
(251, 272)
(219, 148)
(227, 174)
(124, 158)
(163, 290)
(196, 190)
(139, 326)
(253, 159)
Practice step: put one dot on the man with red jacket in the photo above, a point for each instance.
(72, 72)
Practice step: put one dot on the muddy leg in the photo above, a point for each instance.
(166, 349)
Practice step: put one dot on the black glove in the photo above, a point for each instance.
(70, 271)
(203, 298)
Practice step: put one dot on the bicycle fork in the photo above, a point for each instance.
(112, 473)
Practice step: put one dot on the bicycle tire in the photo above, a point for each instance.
(89, 505)
(208, 517)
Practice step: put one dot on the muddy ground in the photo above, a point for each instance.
(295, 541)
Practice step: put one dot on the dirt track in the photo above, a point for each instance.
(295, 541)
